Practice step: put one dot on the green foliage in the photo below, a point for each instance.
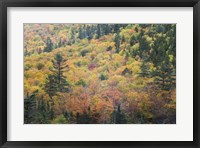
(59, 67)
(145, 69)
(39, 66)
(51, 85)
(49, 45)
(118, 117)
(84, 118)
(81, 82)
(56, 82)
(84, 52)
(60, 120)
(133, 40)
(36, 110)
(103, 76)
(30, 108)
(117, 42)
(163, 57)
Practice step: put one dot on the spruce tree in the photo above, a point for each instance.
(30, 108)
(145, 69)
(118, 117)
(132, 40)
(43, 116)
(56, 82)
(117, 42)
(59, 67)
(163, 58)
(123, 39)
(49, 45)
(60, 43)
(80, 33)
(98, 31)
(51, 85)
(72, 36)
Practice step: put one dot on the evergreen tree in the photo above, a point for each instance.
(163, 58)
(60, 43)
(49, 45)
(118, 117)
(51, 85)
(80, 33)
(30, 108)
(117, 42)
(59, 67)
(43, 115)
(56, 82)
(116, 28)
(133, 40)
(145, 69)
(85, 117)
(26, 53)
(107, 29)
(123, 39)
(98, 31)
(144, 48)
(89, 32)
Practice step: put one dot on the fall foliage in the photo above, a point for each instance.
(99, 73)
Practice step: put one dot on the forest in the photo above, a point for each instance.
(99, 73)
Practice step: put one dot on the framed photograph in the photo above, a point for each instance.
(99, 73)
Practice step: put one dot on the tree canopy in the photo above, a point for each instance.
(100, 73)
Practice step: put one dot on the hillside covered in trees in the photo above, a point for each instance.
(99, 73)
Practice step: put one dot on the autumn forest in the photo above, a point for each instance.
(99, 73)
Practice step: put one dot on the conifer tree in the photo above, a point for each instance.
(118, 117)
(123, 39)
(132, 40)
(80, 33)
(60, 43)
(51, 85)
(30, 108)
(98, 31)
(163, 58)
(49, 45)
(56, 82)
(72, 36)
(117, 42)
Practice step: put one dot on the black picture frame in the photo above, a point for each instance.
(4, 4)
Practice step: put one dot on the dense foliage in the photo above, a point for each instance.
(100, 73)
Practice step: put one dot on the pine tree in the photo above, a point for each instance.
(56, 82)
(132, 40)
(116, 28)
(118, 117)
(163, 58)
(98, 31)
(26, 53)
(144, 48)
(49, 45)
(30, 108)
(51, 85)
(117, 42)
(59, 67)
(145, 69)
(60, 43)
(107, 29)
(123, 39)
(80, 33)
(43, 116)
